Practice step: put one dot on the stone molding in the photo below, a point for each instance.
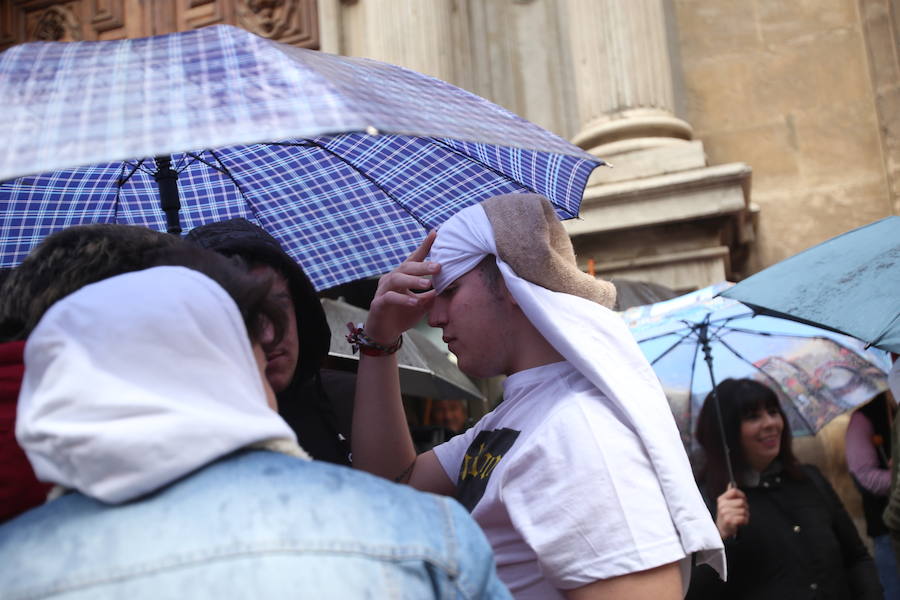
(683, 196)
(623, 75)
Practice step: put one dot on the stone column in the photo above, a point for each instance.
(428, 36)
(661, 214)
(623, 76)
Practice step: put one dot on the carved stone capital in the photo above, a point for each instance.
(268, 18)
(55, 24)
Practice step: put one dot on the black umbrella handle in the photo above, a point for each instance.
(707, 356)
(167, 180)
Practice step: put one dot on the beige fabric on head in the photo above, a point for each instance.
(545, 258)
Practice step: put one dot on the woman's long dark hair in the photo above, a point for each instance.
(738, 398)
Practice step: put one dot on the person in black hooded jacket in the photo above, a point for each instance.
(295, 363)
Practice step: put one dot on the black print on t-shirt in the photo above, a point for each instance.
(482, 457)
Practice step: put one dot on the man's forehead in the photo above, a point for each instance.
(471, 274)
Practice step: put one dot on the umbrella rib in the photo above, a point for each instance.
(688, 324)
(225, 171)
(501, 174)
(312, 144)
(123, 180)
(670, 348)
(798, 336)
(183, 164)
(883, 332)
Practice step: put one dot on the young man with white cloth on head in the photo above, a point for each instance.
(578, 478)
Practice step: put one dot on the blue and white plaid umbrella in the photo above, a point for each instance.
(347, 161)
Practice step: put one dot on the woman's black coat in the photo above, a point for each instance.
(800, 544)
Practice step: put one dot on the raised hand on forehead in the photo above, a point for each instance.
(403, 296)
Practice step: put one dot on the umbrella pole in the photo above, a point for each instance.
(703, 332)
(167, 180)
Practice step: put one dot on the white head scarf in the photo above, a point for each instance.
(598, 343)
(135, 381)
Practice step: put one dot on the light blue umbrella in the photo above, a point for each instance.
(849, 284)
(697, 340)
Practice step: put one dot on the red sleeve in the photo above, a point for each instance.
(19, 488)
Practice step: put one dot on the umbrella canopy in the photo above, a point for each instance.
(817, 374)
(348, 162)
(850, 284)
(425, 370)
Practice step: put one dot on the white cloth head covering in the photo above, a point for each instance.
(598, 343)
(135, 381)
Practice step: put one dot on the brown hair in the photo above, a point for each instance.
(65, 262)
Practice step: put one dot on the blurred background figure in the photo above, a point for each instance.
(441, 419)
(450, 413)
(786, 533)
(868, 448)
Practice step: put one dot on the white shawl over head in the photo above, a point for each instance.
(135, 381)
(598, 343)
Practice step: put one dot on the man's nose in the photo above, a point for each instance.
(436, 315)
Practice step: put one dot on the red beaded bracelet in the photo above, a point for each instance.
(359, 341)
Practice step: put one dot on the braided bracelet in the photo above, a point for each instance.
(359, 341)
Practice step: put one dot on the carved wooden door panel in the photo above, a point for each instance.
(291, 21)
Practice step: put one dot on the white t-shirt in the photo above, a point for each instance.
(562, 488)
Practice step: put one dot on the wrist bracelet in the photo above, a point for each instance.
(359, 341)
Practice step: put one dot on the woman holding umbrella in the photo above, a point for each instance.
(786, 533)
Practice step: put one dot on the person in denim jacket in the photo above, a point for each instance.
(144, 402)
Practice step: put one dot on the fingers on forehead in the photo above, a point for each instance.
(421, 252)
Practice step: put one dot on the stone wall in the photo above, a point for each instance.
(787, 88)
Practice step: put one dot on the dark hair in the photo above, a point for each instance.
(738, 399)
(250, 292)
(65, 262)
(491, 275)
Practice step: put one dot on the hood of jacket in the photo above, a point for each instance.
(135, 381)
(243, 238)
